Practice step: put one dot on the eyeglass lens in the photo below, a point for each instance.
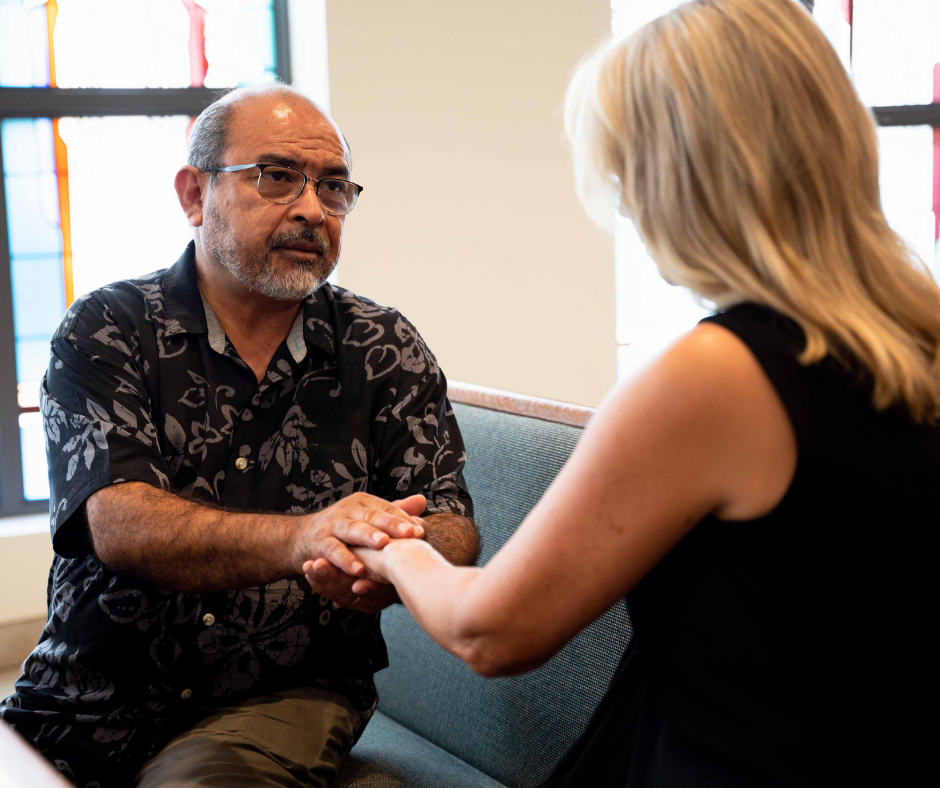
(279, 184)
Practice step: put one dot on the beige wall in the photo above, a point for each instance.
(468, 222)
(26, 561)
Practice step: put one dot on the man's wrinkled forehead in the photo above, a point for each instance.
(287, 123)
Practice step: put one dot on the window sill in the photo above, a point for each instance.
(24, 525)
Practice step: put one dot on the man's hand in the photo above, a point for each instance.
(363, 594)
(345, 591)
(361, 520)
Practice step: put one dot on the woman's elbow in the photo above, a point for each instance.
(494, 640)
(493, 655)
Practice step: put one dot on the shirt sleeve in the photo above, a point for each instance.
(421, 449)
(97, 418)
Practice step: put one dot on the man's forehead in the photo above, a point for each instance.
(287, 127)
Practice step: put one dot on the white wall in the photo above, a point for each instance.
(468, 222)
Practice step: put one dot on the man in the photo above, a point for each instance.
(210, 429)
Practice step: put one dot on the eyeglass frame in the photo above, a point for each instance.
(315, 181)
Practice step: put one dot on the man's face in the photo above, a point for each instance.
(282, 251)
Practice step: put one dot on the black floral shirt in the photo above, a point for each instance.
(144, 386)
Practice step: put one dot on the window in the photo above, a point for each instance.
(96, 101)
(892, 51)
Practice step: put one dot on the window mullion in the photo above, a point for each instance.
(76, 102)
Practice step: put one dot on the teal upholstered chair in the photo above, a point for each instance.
(440, 725)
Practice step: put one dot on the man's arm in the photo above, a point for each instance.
(187, 546)
(454, 537)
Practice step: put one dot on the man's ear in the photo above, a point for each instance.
(189, 192)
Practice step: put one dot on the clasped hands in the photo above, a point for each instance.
(359, 521)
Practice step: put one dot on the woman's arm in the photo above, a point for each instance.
(702, 431)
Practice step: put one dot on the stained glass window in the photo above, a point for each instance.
(137, 43)
(892, 50)
(90, 200)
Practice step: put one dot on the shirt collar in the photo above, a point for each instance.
(182, 301)
(185, 311)
(319, 311)
(295, 339)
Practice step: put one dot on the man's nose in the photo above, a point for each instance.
(307, 206)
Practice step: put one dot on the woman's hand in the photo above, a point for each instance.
(372, 592)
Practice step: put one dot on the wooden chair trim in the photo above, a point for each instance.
(22, 767)
(519, 404)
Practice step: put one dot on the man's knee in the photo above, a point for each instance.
(297, 737)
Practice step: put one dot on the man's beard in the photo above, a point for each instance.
(258, 271)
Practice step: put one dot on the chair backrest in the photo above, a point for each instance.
(513, 729)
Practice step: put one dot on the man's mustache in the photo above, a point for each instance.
(319, 242)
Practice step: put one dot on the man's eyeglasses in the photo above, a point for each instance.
(283, 185)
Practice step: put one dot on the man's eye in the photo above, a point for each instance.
(335, 187)
(278, 176)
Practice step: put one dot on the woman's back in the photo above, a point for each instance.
(801, 648)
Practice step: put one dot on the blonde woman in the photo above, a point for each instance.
(768, 492)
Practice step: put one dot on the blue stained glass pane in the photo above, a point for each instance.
(24, 46)
(32, 358)
(27, 145)
(33, 214)
(33, 449)
(38, 295)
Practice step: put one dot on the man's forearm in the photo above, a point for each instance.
(186, 546)
(454, 537)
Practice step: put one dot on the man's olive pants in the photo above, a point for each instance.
(295, 739)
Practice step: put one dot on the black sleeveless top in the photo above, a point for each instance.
(799, 649)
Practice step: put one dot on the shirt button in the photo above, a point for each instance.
(186, 694)
(208, 619)
(241, 463)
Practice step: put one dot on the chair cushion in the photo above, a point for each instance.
(391, 756)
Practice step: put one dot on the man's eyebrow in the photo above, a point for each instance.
(339, 171)
(336, 171)
(274, 158)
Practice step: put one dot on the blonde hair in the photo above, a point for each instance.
(730, 133)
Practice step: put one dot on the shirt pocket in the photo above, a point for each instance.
(339, 464)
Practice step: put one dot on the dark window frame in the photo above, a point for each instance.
(76, 102)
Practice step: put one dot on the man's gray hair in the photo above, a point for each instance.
(209, 135)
